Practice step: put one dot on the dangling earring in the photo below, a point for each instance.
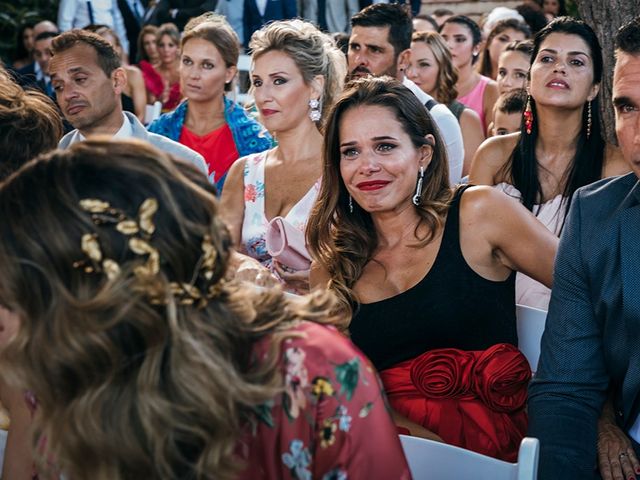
(350, 204)
(314, 113)
(417, 197)
(528, 116)
(588, 119)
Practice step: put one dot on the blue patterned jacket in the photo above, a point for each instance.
(248, 135)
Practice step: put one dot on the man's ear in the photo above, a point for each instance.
(119, 78)
(404, 60)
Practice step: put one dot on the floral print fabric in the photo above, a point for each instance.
(331, 421)
(254, 225)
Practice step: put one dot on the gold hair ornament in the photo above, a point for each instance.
(139, 232)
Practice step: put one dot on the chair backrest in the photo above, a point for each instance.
(3, 443)
(432, 460)
(530, 323)
(242, 95)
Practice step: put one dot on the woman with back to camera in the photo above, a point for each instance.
(559, 147)
(478, 92)
(422, 269)
(208, 122)
(297, 73)
(145, 362)
(432, 70)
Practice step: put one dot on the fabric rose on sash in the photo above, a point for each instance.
(502, 374)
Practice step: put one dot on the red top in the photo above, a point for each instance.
(217, 147)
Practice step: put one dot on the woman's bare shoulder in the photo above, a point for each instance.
(491, 157)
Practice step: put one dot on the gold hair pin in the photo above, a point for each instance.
(139, 232)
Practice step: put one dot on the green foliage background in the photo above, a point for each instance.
(15, 13)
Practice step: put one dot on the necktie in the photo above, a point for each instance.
(322, 15)
(136, 11)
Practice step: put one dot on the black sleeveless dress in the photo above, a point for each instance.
(451, 307)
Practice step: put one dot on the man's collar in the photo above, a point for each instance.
(125, 130)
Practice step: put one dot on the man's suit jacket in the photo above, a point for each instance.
(132, 25)
(276, 10)
(591, 343)
(162, 143)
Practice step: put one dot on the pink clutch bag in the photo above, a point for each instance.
(286, 244)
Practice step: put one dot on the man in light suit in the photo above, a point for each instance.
(591, 345)
(88, 78)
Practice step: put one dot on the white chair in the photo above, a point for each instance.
(432, 460)
(242, 95)
(530, 324)
(3, 443)
(151, 112)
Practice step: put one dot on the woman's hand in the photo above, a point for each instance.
(245, 268)
(298, 280)
(616, 458)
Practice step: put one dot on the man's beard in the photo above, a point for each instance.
(361, 71)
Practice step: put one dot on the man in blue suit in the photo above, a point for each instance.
(259, 12)
(591, 345)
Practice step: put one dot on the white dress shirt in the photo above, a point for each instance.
(75, 14)
(449, 129)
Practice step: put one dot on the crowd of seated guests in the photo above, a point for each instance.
(248, 290)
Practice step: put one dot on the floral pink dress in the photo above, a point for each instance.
(254, 225)
(332, 420)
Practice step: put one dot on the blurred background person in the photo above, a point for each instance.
(432, 70)
(179, 12)
(207, 121)
(513, 66)
(80, 13)
(23, 54)
(133, 13)
(148, 45)
(440, 15)
(554, 8)
(476, 91)
(424, 23)
(334, 18)
(504, 32)
(163, 80)
(258, 13)
(297, 74)
(36, 74)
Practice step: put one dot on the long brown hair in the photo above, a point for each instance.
(341, 241)
(129, 387)
(445, 89)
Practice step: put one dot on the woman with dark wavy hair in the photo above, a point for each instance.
(422, 270)
(144, 360)
(559, 147)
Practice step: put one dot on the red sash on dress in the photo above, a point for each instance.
(473, 399)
